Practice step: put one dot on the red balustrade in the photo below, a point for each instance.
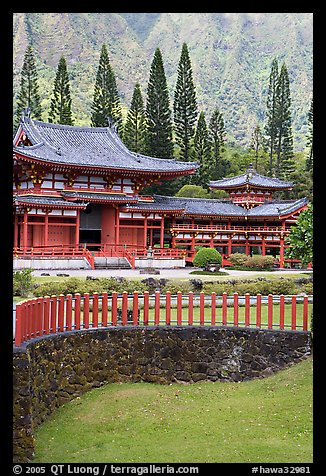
(48, 315)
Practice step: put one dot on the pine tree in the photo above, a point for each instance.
(257, 144)
(284, 145)
(28, 96)
(185, 105)
(309, 161)
(135, 129)
(60, 111)
(106, 102)
(217, 138)
(158, 111)
(271, 126)
(202, 153)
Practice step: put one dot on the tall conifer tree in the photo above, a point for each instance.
(135, 129)
(271, 126)
(185, 105)
(158, 111)
(28, 96)
(257, 144)
(217, 138)
(106, 101)
(202, 153)
(60, 110)
(309, 161)
(284, 145)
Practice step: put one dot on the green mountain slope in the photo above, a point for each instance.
(231, 54)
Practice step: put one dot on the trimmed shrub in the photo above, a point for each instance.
(241, 260)
(260, 262)
(238, 259)
(205, 256)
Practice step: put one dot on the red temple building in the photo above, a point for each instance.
(77, 192)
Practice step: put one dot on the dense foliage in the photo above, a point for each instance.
(257, 262)
(260, 285)
(300, 238)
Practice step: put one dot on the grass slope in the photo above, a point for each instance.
(265, 420)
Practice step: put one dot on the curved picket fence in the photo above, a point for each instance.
(52, 314)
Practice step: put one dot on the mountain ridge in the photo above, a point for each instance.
(231, 54)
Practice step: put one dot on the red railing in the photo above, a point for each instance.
(49, 315)
(232, 228)
(52, 251)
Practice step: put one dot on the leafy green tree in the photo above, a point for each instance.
(202, 153)
(284, 145)
(217, 135)
(309, 162)
(106, 101)
(23, 282)
(300, 238)
(28, 96)
(185, 105)
(60, 110)
(193, 191)
(271, 126)
(158, 111)
(135, 129)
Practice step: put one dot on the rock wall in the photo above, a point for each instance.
(54, 369)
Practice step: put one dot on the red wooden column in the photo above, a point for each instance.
(77, 227)
(145, 232)
(162, 232)
(173, 236)
(46, 228)
(263, 246)
(229, 245)
(211, 241)
(247, 246)
(282, 252)
(16, 231)
(25, 229)
(117, 226)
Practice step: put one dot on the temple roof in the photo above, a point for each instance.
(47, 201)
(97, 196)
(99, 147)
(212, 207)
(251, 177)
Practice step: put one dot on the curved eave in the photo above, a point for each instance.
(100, 169)
(63, 205)
(215, 215)
(48, 205)
(102, 200)
(152, 210)
(244, 185)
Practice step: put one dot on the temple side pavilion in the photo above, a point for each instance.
(77, 190)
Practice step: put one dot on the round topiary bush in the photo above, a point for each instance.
(207, 256)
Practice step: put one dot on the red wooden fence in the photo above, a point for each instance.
(48, 315)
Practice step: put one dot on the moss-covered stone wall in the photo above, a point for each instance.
(54, 369)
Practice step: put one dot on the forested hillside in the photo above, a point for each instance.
(231, 55)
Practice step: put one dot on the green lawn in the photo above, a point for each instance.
(265, 420)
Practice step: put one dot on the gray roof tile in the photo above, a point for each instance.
(251, 177)
(90, 146)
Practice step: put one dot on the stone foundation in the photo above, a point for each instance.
(52, 370)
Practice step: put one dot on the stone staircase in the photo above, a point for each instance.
(102, 262)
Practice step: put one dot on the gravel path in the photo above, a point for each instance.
(164, 273)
